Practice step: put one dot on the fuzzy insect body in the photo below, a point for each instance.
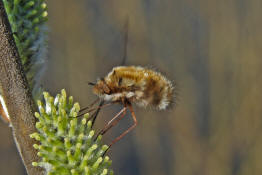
(138, 85)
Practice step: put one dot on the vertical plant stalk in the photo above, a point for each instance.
(17, 96)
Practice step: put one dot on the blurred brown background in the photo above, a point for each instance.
(212, 49)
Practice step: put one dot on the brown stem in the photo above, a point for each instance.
(15, 91)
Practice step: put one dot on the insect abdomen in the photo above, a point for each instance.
(158, 92)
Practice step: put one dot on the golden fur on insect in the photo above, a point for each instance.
(138, 85)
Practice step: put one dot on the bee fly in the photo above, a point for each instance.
(129, 85)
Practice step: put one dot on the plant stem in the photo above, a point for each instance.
(15, 91)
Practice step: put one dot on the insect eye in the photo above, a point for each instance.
(120, 81)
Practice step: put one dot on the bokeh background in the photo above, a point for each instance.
(211, 49)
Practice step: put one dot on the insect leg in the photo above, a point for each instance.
(89, 106)
(113, 121)
(101, 105)
(127, 131)
(97, 111)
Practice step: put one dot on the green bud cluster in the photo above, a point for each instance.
(27, 19)
(66, 142)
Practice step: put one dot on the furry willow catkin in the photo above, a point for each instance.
(27, 19)
(66, 142)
